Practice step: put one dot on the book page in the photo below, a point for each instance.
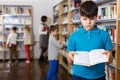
(97, 56)
(82, 58)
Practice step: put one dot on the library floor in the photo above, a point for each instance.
(32, 71)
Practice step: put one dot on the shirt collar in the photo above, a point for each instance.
(95, 30)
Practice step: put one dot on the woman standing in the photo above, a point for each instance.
(44, 36)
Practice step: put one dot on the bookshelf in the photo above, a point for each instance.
(108, 19)
(18, 16)
(117, 70)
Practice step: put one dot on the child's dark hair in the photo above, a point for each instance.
(89, 9)
(14, 28)
(44, 18)
(52, 28)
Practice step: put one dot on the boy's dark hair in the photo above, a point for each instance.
(14, 28)
(52, 28)
(44, 18)
(89, 9)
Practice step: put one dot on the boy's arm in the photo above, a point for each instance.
(109, 55)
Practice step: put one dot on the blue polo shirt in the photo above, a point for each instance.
(83, 40)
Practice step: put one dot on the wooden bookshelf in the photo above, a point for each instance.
(18, 16)
(117, 72)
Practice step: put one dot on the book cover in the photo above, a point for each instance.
(90, 58)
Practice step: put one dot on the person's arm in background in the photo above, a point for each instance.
(8, 41)
(24, 35)
(40, 30)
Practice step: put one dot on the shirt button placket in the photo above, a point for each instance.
(88, 35)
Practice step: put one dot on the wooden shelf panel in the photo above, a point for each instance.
(103, 1)
(107, 20)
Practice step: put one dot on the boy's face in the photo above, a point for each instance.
(88, 23)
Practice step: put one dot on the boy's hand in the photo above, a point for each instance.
(70, 57)
(109, 55)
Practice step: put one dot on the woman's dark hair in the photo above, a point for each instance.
(89, 9)
(44, 18)
(14, 28)
(52, 28)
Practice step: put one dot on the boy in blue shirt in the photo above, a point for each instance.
(88, 38)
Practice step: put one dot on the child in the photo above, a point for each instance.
(44, 36)
(27, 37)
(87, 38)
(53, 54)
(12, 44)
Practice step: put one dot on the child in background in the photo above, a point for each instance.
(88, 38)
(27, 37)
(53, 54)
(12, 44)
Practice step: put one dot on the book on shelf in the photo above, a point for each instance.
(0, 9)
(76, 16)
(91, 58)
(24, 11)
(107, 12)
(77, 3)
(65, 8)
(10, 10)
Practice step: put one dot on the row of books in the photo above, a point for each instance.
(17, 10)
(76, 3)
(111, 29)
(17, 21)
(76, 17)
(65, 30)
(107, 12)
(55, 20)
(65, 20)
(56, 10)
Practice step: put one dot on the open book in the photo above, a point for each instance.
(90, 58)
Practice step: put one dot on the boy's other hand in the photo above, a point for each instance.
(70, 57)
(109, 55)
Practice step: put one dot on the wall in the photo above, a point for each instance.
(40, 7)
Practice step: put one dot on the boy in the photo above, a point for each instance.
(53, 54)
(87, 38)
(12, 44)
